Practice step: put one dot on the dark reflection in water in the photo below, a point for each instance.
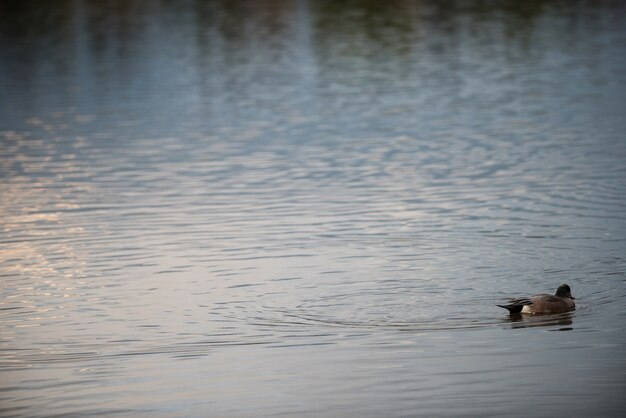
(310, 208)
(563, 321)
(415, 64)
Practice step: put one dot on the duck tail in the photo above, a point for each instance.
(512, 308)
(516, 305)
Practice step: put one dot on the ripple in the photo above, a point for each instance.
(364, 310)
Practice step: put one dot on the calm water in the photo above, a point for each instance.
(311, 208)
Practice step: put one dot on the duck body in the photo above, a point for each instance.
(562, 301)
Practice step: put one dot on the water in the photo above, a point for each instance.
(297, 208)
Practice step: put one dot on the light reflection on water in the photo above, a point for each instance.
(310, 208)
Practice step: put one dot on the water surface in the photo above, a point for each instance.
(296, 208)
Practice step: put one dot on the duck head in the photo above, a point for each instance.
(564, 292)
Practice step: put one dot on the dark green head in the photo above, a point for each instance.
(564, 292)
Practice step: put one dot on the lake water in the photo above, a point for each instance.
(311, 208)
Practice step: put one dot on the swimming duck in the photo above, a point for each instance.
(561, 301)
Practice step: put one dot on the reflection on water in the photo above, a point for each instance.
(562, 321)
(310, 207)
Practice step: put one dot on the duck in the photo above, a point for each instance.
(561, 301)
